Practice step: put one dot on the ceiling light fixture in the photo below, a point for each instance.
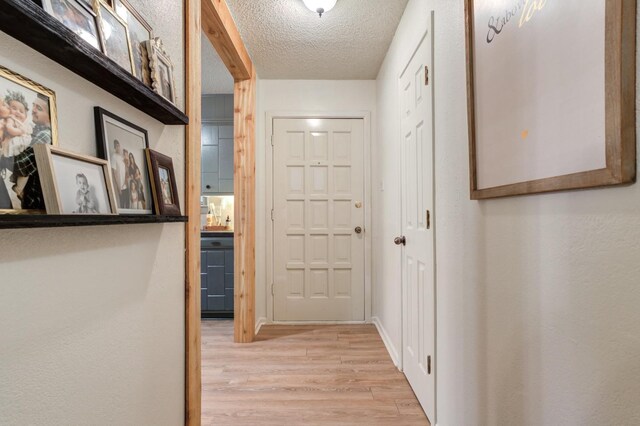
(320, 6)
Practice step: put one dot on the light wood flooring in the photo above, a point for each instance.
(303, 375)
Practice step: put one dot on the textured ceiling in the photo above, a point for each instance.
(288, 41)
(216, 79)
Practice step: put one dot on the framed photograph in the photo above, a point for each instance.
(123, 145)
(78, 16)
(160, 69)
(163, 184)
(115, 36)
(28, 117)
(139, 32)
(74, 183)
(551, 107)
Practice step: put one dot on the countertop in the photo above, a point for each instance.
(216, 233)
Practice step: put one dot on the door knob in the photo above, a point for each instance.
(358, 230)
(400, 241)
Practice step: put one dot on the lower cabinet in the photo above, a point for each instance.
(216, 276)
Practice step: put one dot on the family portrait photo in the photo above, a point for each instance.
(27, 118)
(76, 15)
(116, 38)
(122, 144)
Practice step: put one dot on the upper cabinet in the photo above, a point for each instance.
(217, 144)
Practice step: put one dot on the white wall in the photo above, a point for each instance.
(92, 319)
(537, 296)
(297, 96)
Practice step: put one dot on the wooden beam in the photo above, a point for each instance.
(245, 209)
(220, 28)
(193, 380)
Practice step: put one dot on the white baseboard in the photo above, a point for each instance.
(387, 341)
(259, 323)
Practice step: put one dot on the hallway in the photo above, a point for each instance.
(303, 375)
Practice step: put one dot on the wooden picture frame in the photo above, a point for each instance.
(31, 95)
(93, 192)
(117, 46)
(132, 140)
(618, 148)
(160, 69)
(163, 184)
(139, 32)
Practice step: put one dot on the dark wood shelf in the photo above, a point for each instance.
(28, 22)
(10, 221)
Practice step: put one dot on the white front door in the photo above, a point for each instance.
(318, 215)
(418, 278)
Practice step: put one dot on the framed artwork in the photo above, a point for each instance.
(123, 145)
(115, 36)
(74, 183)
(163, 184)
(160, 69)
(139, 32)
(551, 106)
(28, 117)
(78, 16)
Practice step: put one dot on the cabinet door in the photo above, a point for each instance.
(210, 183)
(209, 135)
(210, 159)
(228, 280)
(215, 280)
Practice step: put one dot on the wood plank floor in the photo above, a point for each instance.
(303, 375)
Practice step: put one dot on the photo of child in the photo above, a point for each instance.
(76, 17)
(85, 196)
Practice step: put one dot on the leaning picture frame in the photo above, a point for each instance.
(163, 184)
(123, 145)
(551, 107)
(114, 34)
(139, 32)
(29, 115)
(79, 17)
(73, 183)
(160, 69)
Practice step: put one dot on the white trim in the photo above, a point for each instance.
(368, 201)
(393, 352)
(261, 321)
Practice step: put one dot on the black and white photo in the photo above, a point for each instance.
(122, 144)
(27, 118)
(74, 183)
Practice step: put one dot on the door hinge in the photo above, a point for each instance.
(429, 364)
(271, 140)
(273, 293)
(426, 75)
(271, 215)
(428, 219)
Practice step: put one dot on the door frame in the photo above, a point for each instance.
(268, 246)
(434, 218)
(214, 18)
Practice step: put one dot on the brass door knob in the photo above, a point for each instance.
(358, 230)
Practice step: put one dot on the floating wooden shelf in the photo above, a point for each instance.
(29, 23)
(55, 221)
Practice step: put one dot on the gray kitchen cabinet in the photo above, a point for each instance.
(216, 275)
(217, 144)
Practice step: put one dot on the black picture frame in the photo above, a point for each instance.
(105, 122)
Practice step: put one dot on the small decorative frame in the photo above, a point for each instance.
(163, 184)
(139, 32)
(116, 40)
(160, 69)
(60, 170)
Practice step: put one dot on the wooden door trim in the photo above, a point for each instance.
(267, 248)
(214, 16)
